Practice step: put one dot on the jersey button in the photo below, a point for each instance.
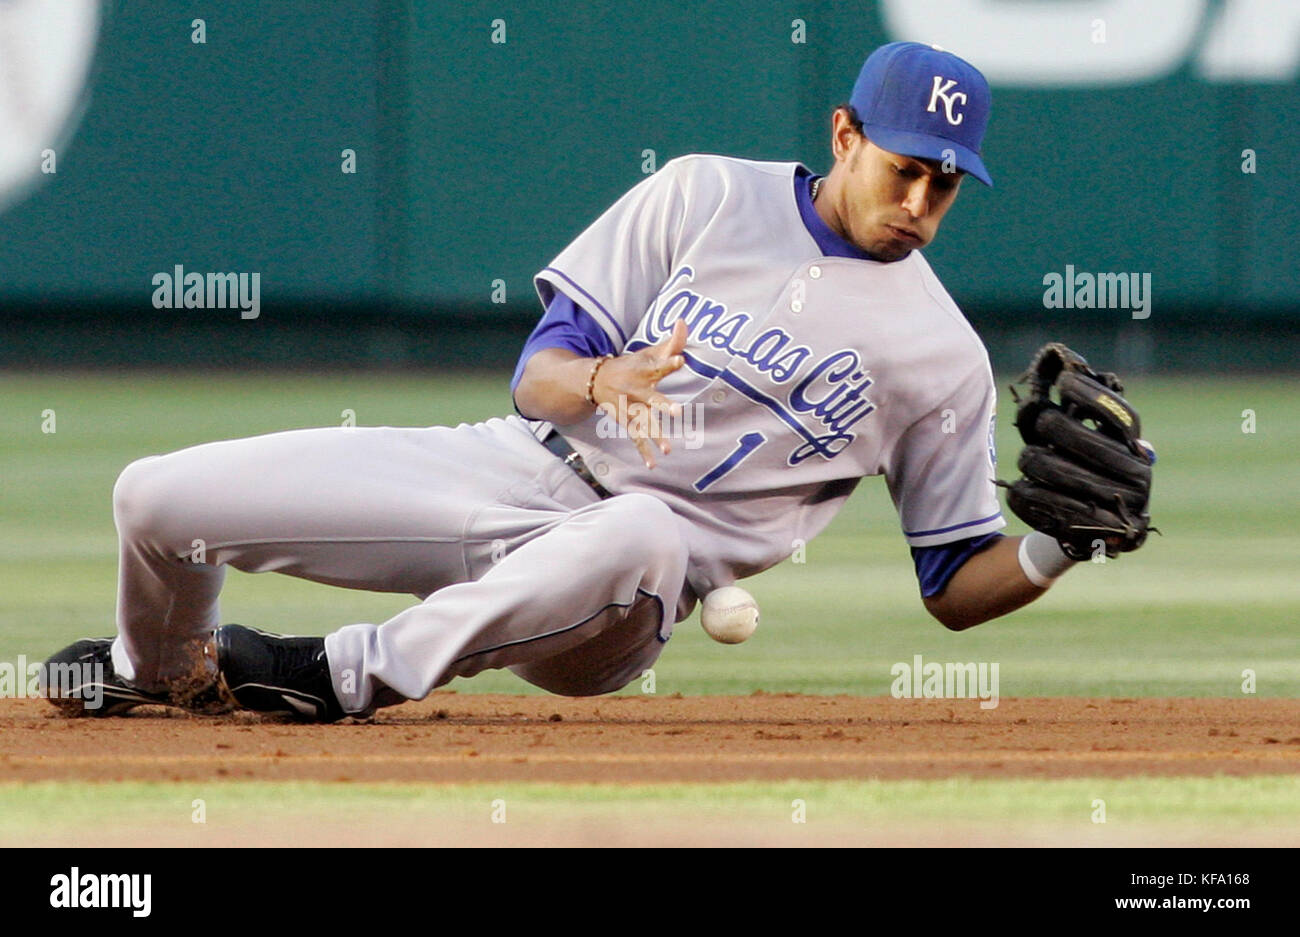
(602, 469)
(719, 396)
(814, 271)
(796, 305)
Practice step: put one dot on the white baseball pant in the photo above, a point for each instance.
(518, 562)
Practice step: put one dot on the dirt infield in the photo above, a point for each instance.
(454, 737)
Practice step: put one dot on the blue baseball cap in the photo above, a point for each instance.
(919, 100)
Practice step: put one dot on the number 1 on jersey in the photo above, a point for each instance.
(746, 444)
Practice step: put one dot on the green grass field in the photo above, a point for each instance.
(1217, 595)
(952, 812)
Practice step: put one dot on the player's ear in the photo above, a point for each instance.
(843, 133)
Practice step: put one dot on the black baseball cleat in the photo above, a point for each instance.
(80, 681)
(275, 673)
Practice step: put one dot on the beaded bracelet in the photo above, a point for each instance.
(591, 379)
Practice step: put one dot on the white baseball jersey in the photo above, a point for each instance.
(803, 372)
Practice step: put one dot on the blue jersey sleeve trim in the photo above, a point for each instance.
(935, 566)
(595, 303)
(943, 530)
(565, 325)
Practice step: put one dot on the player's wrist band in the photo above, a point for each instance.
(1042, 559)
(591, 378)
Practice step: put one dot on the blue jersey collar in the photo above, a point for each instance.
(830, 243)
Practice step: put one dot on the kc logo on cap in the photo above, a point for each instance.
(942, 90)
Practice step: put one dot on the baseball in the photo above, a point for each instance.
(730, 615)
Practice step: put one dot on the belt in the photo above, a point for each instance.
(560, 446)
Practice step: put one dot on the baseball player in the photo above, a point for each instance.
(788, 319)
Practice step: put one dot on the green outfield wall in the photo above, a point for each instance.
(1157, 139)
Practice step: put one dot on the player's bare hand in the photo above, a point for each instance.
(626, 389)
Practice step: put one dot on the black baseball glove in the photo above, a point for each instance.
(1087, 473)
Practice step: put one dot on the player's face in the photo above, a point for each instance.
(889, 204)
